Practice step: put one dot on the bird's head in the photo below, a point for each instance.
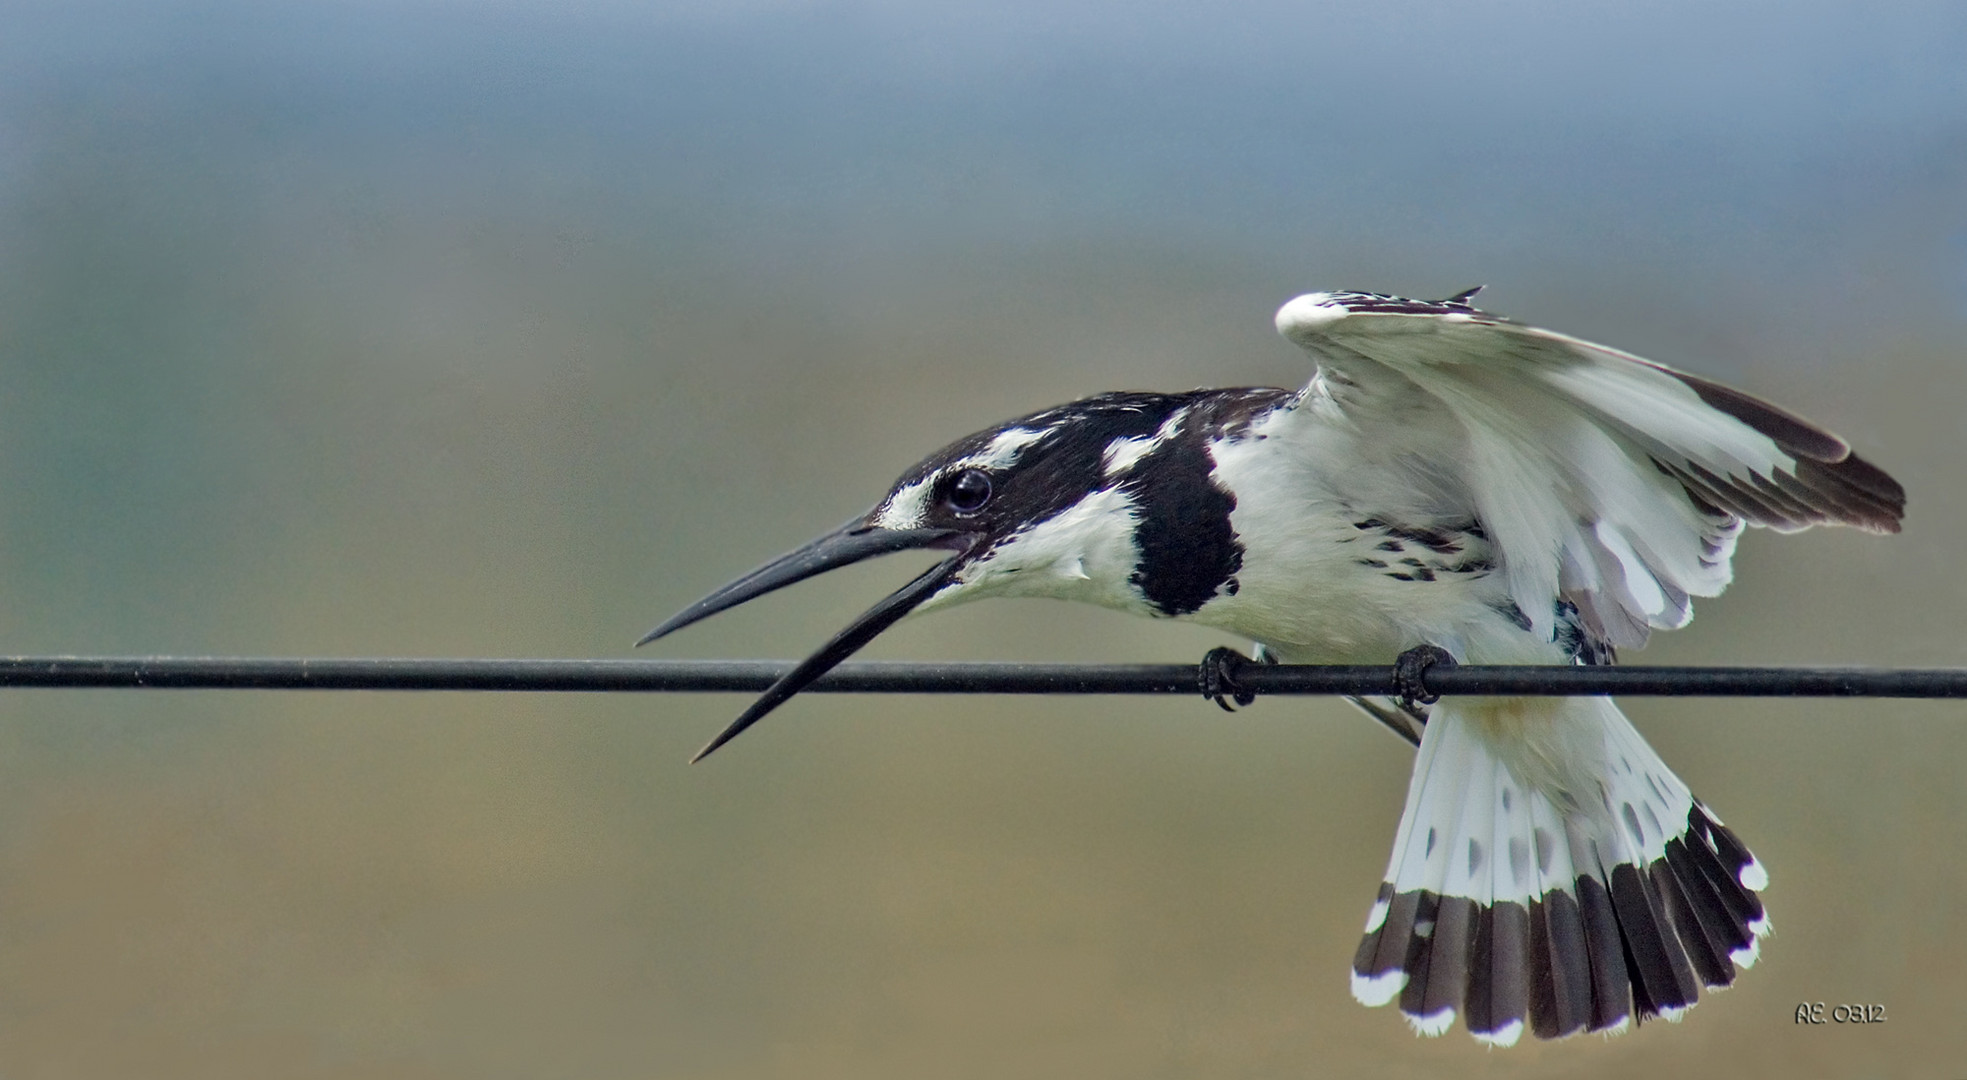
(1044, 505)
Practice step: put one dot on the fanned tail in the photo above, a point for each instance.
(1551, 872)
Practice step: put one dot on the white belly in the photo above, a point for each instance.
(1325, 580)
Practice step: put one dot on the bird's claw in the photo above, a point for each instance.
(1219, 668)
(1410, 673)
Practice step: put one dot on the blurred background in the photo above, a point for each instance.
(506, 329)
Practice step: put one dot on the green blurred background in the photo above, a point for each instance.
(500, 329)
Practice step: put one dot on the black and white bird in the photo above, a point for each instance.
(1450, 487)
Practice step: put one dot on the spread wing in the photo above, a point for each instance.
(1603, 479)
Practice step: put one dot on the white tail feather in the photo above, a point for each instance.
(1591, 876)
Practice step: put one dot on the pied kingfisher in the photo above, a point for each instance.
(1450, 487)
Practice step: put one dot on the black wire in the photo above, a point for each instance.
(898, 677)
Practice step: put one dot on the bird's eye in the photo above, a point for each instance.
(969, 492)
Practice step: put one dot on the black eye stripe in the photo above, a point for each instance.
(1066, 460)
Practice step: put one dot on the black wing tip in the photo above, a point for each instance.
(1873, 481)
(1791, 432)
(1851, 492)
(1837, 486)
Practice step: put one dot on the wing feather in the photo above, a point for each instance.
(1608, 480)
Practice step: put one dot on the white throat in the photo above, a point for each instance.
(1085, 552)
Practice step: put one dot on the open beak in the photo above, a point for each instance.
(844, 546)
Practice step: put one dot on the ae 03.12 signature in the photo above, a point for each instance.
(1816, 1012)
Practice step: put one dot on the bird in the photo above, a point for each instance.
(1450, 487)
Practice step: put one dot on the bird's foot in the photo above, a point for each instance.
(1219, 668)
(1410, 673)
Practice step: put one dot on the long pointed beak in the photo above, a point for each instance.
(848, 544)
